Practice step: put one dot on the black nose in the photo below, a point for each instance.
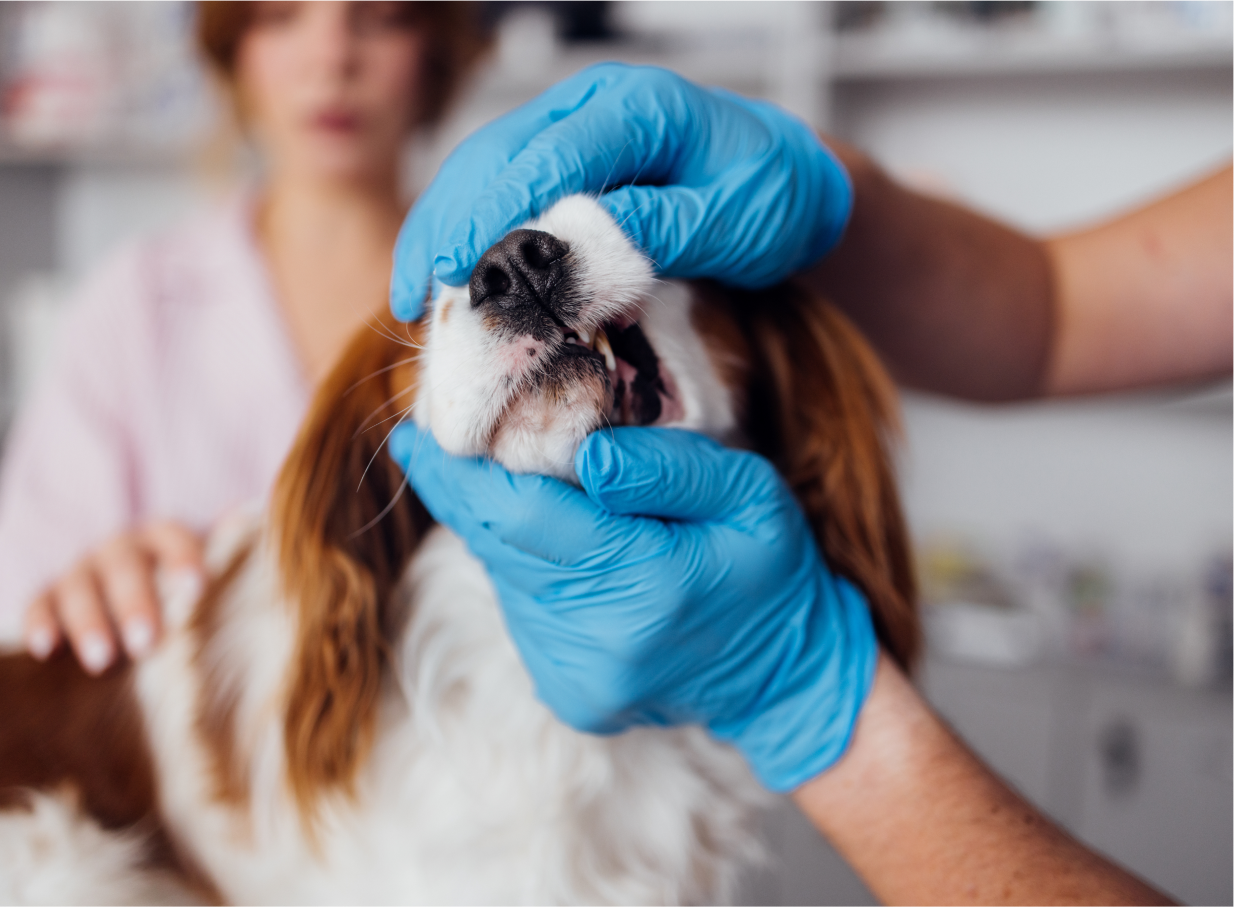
(524, 270)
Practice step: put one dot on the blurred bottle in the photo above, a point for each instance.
(59, 74)
(1139, 20)
(85, 75)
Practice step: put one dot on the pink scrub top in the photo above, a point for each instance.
(174, 392)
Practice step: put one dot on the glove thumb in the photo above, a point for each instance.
(671, 474)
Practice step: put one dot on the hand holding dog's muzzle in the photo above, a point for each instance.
(706, 182)
(681, 584)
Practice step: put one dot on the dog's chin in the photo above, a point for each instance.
(601, 379)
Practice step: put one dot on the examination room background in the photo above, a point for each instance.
(1075, 556)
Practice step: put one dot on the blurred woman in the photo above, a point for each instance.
(189, 358)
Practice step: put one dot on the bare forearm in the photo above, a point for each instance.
(923, 821)
(1146, 298)
(962, 305)
(955, 303)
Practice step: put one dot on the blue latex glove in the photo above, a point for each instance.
(713, 606)
(712, 184)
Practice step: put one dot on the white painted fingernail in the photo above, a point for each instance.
(40, 642)
(95, 652)
(138, 634)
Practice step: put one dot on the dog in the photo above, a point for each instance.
(341, 715)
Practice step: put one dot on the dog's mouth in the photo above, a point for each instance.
(637, 380)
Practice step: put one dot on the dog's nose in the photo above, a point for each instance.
(521, 271)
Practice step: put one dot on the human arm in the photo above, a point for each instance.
(616, 628)
(1146, 298)
(922, 820)
(959, 304)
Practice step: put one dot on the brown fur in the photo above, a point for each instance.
(341, 553)
(61, 726)
(63, 729)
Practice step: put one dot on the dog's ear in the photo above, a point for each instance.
(820, 406)
(345, 526)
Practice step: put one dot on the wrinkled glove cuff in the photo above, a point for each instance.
(804, 720)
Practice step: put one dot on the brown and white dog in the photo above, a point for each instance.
(342, 717)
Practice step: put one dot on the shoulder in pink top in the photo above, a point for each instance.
(174, 393)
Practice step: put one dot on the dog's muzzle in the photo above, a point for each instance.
(523, 285)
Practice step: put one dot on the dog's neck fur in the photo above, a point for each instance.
(472, 791)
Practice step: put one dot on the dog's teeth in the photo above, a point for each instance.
(584, 337)
(601, 346)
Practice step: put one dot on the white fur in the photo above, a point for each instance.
(473, 792)
(51, 854)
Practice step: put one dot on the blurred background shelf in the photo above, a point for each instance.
(884, 56)
(1109, 517)
(14, 154)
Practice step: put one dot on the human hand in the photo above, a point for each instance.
(112, 588)
(680, 584)
(711, 184)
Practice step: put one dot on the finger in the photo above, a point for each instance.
(174, 545)
(477, 161)
(669, 223)
(594, 141)
(125, 575)
(42, 633)
(485, 503)
(83, 618)
(672, 474)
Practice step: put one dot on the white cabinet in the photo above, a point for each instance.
(1156, 788)
(1134, 767)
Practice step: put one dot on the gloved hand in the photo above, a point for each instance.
(681, 584)
(712, 184)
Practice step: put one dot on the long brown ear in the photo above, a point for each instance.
(346, 527)
(820, 406)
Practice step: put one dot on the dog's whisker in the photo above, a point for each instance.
(385, 331)
(402, 487)
(381, 371)
(368, 423)
(616, 160)
(380, 448)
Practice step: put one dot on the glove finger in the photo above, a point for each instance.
(464, 175)
(604, 141)
(673, 474)
(482, 501)
(665, 222)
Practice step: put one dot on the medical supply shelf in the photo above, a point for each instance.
(881, 56)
